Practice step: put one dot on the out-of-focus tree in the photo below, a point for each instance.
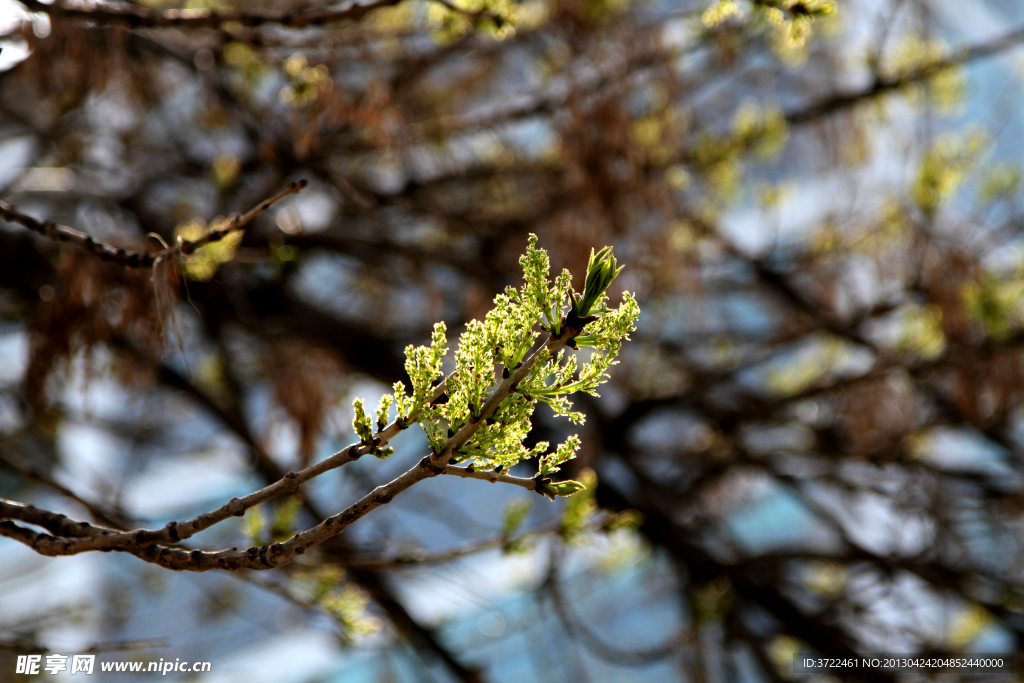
(812, 444)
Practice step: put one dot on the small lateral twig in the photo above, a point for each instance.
(883, 84)
(136, 259)
(15, 463)
(491, 476)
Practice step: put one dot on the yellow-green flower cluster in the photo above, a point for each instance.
(423, 365)
(538, 297)
(362, 427)
(361, 422)
(492, 350)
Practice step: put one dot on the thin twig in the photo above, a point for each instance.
(18, 465)
(135, 259)
(491, 476)
(597, 645)
(884, 84)
(134, 16)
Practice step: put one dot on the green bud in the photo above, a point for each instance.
(568, 487)
(585, 340)
(559, 488)
(361, 422)
(383, 453)
(382, 411)
(601, 271)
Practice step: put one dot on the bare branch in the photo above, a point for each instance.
(491, 476)
(108, 517)
(134, 16)
(175, 532)
(386, 563)
(135, 259)
(575, 627)
(884, 84)
(72, 537)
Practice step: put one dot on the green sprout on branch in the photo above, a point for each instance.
(601, 270)
(502, 370)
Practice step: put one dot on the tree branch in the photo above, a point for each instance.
(70, 537)
(335, 551)
(884, 84)
(108, 517)
(175, 532)
(135, 259)
(144, 17)
(602, 649)
(491, 476)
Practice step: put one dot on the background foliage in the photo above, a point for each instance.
(814, 442)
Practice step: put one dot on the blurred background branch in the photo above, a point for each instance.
(812, 444)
